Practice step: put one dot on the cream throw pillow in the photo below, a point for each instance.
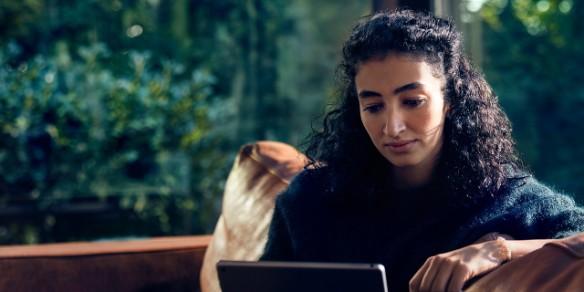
(260, 172)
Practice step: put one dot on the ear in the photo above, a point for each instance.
(446, 109)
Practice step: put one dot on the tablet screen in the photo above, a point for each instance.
(268, 276)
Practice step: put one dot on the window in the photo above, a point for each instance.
(121, 118)
(531, 53)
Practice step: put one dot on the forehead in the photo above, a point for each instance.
(434, 61)
(395, 70)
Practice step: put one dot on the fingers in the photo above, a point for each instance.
(459, 276)
(416, 280)
(450, 270)
(443, 275)
(433, 276)
(440, 274)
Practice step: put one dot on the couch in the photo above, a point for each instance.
(161, 264)
(261, 170)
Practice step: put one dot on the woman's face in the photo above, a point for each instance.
(402, 108)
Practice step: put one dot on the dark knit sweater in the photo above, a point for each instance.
(401, 230)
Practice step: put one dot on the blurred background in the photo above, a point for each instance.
(121, 118)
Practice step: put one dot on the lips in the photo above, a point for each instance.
(400, 146)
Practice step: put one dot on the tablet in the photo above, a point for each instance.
(268, 276)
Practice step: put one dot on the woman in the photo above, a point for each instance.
(414, 165)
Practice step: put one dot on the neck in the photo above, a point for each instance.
(411, 177)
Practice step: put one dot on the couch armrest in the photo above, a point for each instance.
(557, 266)
(168, 264)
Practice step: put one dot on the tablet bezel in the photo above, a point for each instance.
(248, 269)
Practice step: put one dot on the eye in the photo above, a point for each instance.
(373, 108)
(413, 102)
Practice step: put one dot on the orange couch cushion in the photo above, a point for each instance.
(557, 266)
(162, 264)
(260, 172)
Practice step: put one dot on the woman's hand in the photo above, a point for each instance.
(449, 271)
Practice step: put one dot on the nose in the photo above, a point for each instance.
(394, 123)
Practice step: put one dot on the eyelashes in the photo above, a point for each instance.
(414, 102)
(408, 103)
(373, 108)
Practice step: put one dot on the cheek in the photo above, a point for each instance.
(421, 122)
(370, 125)
(426, 121)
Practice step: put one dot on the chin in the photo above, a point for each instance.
(402, 161)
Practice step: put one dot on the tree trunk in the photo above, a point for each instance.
(419, 5)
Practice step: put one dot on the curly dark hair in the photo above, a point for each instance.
(478, 152)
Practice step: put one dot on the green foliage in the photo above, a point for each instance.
(80, 127)
(533, 55)
(73, 128)
(121, 118)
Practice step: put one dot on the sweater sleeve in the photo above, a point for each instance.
(556, 216)
(279, 244)
(530, 210)
(545, 213)
(292, 217)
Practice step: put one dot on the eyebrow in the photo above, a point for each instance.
(403, 88)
